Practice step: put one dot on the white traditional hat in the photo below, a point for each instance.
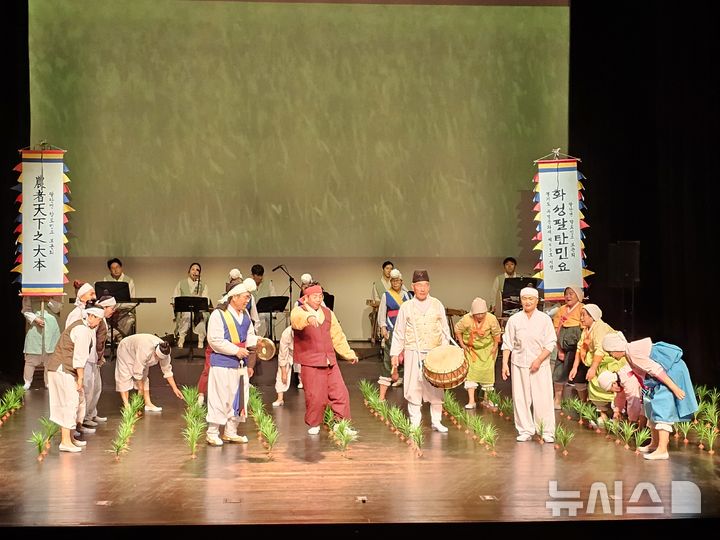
(594, 311)
(84, 289)
(107, 301)
(94, 310)
(529, 291)
(614, 342)
(395, 274)
(306, 279)
(235, 274)
(478, 306)
(606, 380)
(248, 285)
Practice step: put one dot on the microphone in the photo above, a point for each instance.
(278, 266)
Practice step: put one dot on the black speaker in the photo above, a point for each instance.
(624, 264)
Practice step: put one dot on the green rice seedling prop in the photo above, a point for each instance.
(37, 439)
(507, 408)
(344, 435)
(641, 436)
(121, 443)
(137, 404)
(477, 425)
(418, 439)
(383, 411)
(49, 429)
(268, 431)
(627, 430)
(11, 401)
(684, 428)
(494, 398)
(566, 407)
(452, 407)
(578, 406)
(540, 427)
(193, 432)
(491, 436)
(610, 428)
(367, 389)
(701, 391)
(563, 437)
(710, 435)
(589, 413)
(255, 403)
(700, 411)
(713, 396)
(396, 417)
(190, 394)
(329, 418)
(710, 415)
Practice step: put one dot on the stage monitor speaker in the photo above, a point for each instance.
(624, 264)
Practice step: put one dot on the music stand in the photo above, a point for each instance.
(272, 304)
(192, 305)
(511, 293)
(120, 290)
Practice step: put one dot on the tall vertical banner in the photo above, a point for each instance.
(559, 204)
(41, 242)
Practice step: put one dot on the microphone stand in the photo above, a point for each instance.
(291, 280)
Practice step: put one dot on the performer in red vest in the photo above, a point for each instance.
(317, 336)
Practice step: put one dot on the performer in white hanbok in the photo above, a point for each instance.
(136, 354)
(65, 374)
(529, 339)
(285, 364)
(421, 326)
(230, 334)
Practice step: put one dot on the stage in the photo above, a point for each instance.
(380, 484)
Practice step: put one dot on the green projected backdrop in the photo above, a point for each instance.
(253, 129)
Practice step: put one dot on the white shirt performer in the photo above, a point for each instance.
(421, 326)
(230, 334)
(285, 364)
(529, 339)
(136, 354)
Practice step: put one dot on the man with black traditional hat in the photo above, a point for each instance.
(421, 326)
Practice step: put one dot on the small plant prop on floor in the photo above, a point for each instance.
(707, 434)
(137, 405)
(627, 430)
(490, 435)
(563, 437)
(11, 401)
(418, 439)
(641, 436)
(129, 416)
(329, 418)
(578, 406)
(392, 415)
(494, 398)
(540, 430)
(566, 407)
(684, 428)
(714, 396)
(194, 417)
(611, 426)
(453, 409)
(344, 435)
(267, 431)
(37, 439)
(701, 391)
(507, 409)
(710, 415)
(589, 413)
(700, 411)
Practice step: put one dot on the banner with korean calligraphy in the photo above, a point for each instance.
(41, 242)
(559, 204)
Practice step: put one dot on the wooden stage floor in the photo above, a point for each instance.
(379, 486)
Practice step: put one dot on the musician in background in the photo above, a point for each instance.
(387, 317)
(509, 264)
(264, 288)
(421, 326)
(191, 286)
(123, 320)
(530, 338)
(379, 287)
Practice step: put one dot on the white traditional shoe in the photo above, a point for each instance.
(90, 423)
(201, 399)
(153, 408)
(657, 455)
(646, 449)
(201, 344)
(86, 429)
(471, 405)
(548, 438)
(213, 440)
(314, 430)
(71, 448)
(300, 385)
(399, 382)
(278, 403)
(523, 438)
(181, 342)
(26, 386)
(230, 437)
(79, 443)
(439, 427)
(99, 419)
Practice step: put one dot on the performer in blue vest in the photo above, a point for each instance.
(390, 303)
(230, 334)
